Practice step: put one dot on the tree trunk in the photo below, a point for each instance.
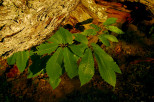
(26, 23)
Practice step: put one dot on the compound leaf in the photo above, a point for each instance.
(12, 60)
(107, 67)
(62, 36)
(81, 38)
(110, 21)
(95, 26)
(46, 48)
(86, 67)
(70, 63)
(89, 32)
(78, 49)
(104, 40)
(110, 37)
(115, 29)
(21, 60)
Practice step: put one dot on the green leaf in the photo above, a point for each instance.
(31, 74)
(110, 37)
(78, 49)
(54, 72)
(70, 63)
(76, 57)
(95, 26)
(46, 48)
(54, 83)
(56, 38)
(86, 67)
(89, 32)
(57, 56)
(12, 60)
(107, 66)
(53, 67)
(116, 67)
(21, 61)
(104, 40)
(81, 38)
(110, 21)
(62, 36)
(115, 29)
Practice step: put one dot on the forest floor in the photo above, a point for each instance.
(134, 55)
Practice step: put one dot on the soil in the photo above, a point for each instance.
(134, 55)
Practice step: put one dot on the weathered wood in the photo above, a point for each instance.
(26, 23)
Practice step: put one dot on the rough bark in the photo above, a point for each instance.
(26, 23)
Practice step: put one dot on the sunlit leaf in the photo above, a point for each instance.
(116, 67)
(110, 37)
(12, 60)
(54, 72)
(62, 36)
(30, 73)
(104, 40)
(70, 63)
(46, 48)
(107, 66)
(110, 21)
(54, 82)
(81, 38)
(21, 61)
(86, 67)
(78, 49)
(53, 67)
(115, 29)
(56, 38)
(97, 28)
(89, 32)
(57, 56)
